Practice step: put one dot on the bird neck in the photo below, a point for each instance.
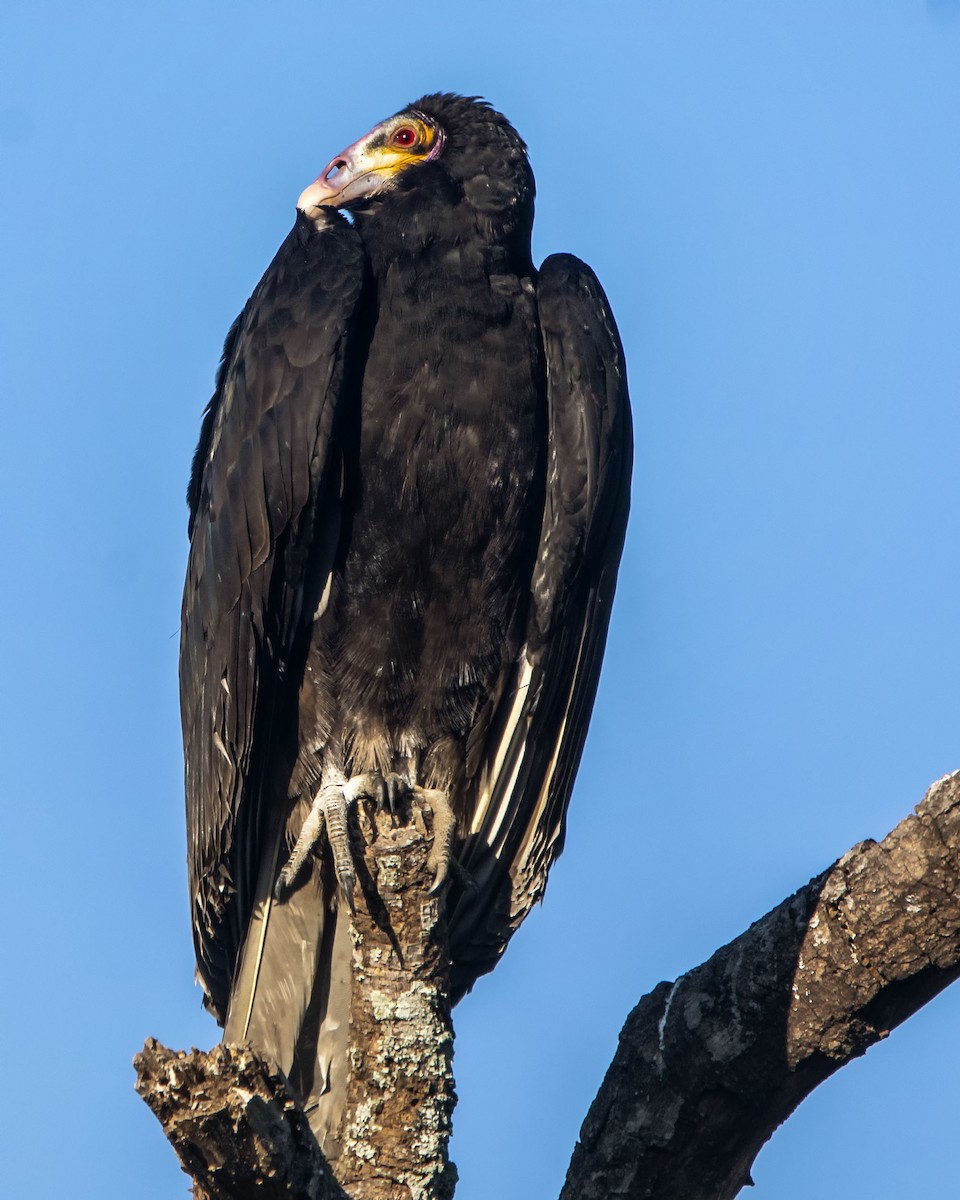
(446, 234)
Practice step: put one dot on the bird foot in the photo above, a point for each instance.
(389, 790)
(329, 814)
(386, 791)
(441, 857)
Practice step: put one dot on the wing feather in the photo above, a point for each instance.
(266, 477)
(539, 721)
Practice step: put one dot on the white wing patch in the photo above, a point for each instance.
(492, 775)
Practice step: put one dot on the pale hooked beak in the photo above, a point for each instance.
(372, 164)
(355, 173)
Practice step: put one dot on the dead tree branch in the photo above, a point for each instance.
(231, 1117)
(400, 1098)
(708, 1067)
(235, 1126)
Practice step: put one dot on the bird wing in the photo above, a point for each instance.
(534, 736)
(264, 525)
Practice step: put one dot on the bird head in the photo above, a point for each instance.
(442, 149)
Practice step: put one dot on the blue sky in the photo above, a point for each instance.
(770, 194)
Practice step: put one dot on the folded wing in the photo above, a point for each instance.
(529, 750)
(264, 505)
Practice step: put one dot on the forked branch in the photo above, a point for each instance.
(707, 1067)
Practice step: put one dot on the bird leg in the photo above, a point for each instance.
(329, 812)
(444, 832)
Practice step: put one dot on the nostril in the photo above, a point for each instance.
(334, 169)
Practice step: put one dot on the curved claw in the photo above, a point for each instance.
(330, 813)
(444, 831)
(395, 787)
(386, 791)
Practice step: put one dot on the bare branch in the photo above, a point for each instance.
(709, 1066)
(400, 1098)
(706, 1069)
(230, 1115)
(234, 1124)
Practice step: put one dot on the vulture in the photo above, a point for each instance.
(406, 514)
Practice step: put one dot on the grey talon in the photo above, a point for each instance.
(444, 832)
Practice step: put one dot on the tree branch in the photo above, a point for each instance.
(708, 1067)
(400, 1097)
(235, 1124)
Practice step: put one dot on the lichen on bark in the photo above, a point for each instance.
(400, 1097)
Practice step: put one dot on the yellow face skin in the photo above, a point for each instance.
(372, 164)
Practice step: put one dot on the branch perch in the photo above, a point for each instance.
(400, 1098)
(231, 1116)
(234, 1124)
(708, 1067)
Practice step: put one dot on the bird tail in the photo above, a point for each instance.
(291, 994)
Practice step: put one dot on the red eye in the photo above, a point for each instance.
(405, 136)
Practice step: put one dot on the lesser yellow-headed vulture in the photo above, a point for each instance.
(407, 509)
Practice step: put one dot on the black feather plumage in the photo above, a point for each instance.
(406, 514)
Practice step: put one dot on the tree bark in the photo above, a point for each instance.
(234, 1124)
(706, 1069)
(231, 1116)
(400, 1098)
(709, 1066)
